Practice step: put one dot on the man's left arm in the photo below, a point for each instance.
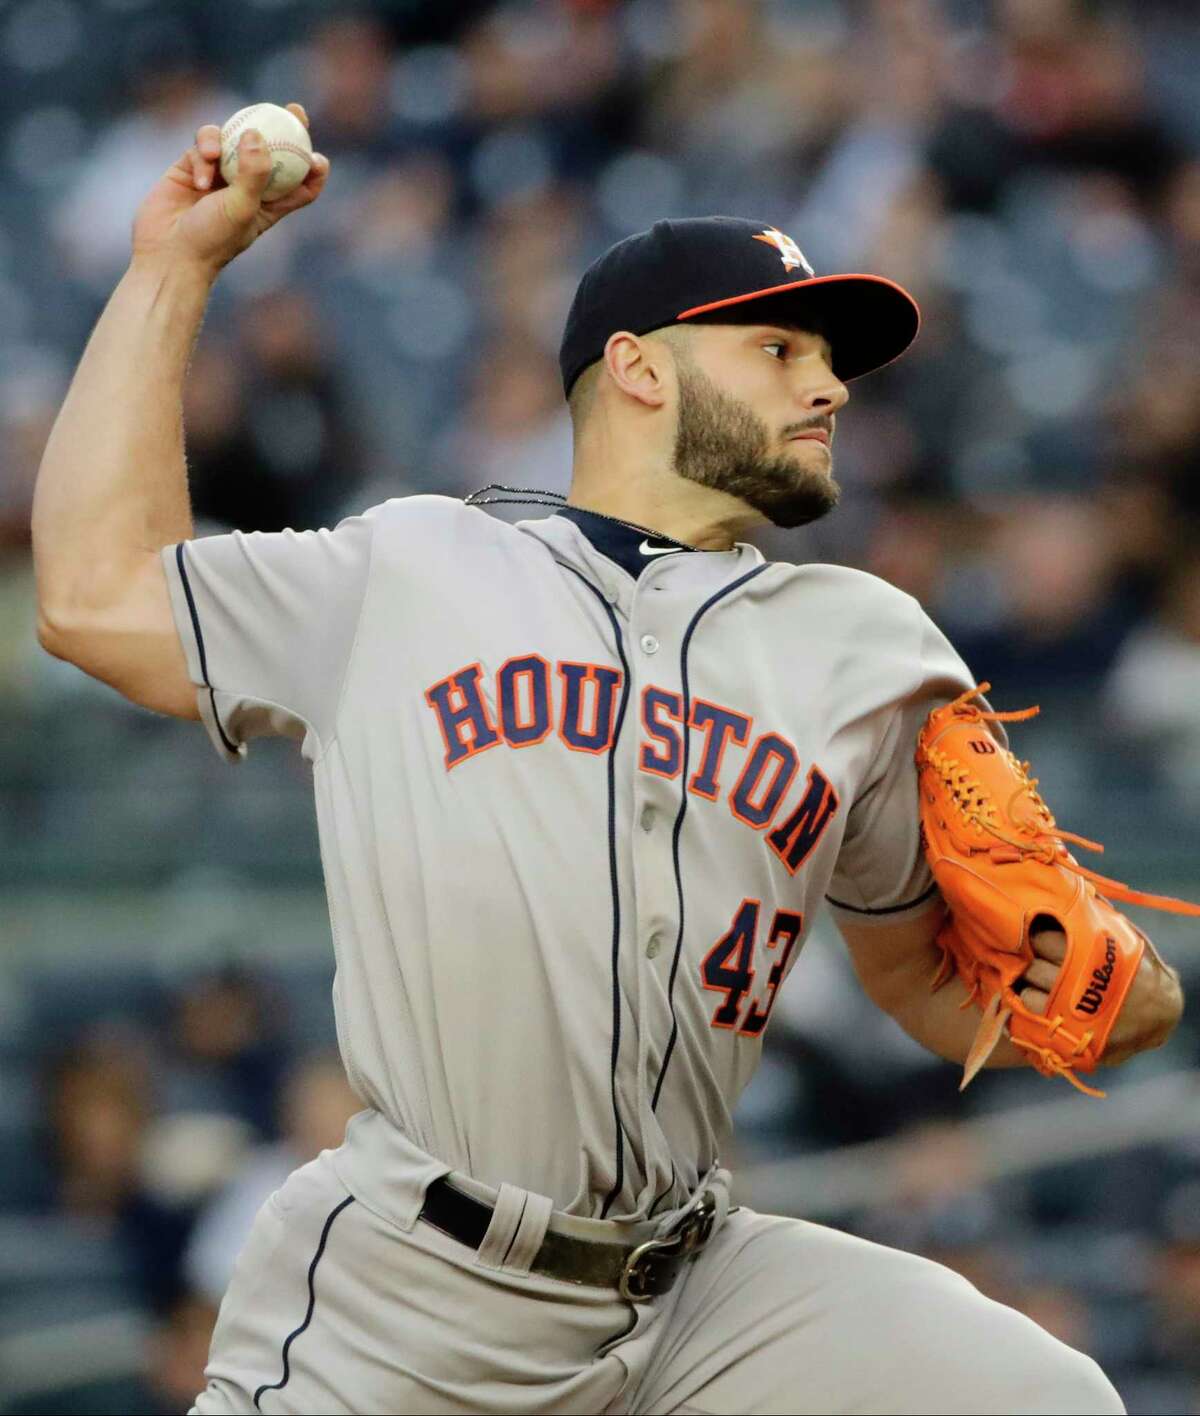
(896, 964)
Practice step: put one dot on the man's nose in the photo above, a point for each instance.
(823, 393)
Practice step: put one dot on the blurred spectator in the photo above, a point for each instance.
(1070, 94)
(99, 1108)
(514, 430)
(526, 59)
(1153, 691)
(1061, 1310)
(30, 396)
(1057, 620)
(1175, 1327)
(178, 1355)
(734, 89)
(526, 248)
(29, 401)
(171, 95)
(317, 1103)
(349, 71)
(227, 1049)
(398, 218)
(1181, 214)
(268, 433)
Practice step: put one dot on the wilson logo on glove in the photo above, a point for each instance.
(1001, 862)
(1093, 994)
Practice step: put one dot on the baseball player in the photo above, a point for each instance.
(582, 784)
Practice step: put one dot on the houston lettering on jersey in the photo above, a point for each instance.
(578, 702)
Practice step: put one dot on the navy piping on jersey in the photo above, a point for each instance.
(619, 1180)
(682, 812)
(662, 1194)
(191, 604)
(312, 1303)
(886, 909)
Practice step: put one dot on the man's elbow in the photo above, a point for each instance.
(54, 632)
(66, 634)
(147, 670)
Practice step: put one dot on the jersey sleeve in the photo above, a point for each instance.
(267, 622)
(881, 872)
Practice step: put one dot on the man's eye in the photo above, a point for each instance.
(780, 345)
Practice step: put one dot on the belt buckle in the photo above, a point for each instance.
(689, 1237)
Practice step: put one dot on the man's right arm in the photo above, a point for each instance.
(112, 491)
(112, 487)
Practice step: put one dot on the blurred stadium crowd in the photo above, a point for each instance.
(1030, 169)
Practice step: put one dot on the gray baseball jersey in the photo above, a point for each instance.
(575, 825)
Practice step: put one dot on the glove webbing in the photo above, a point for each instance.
(1048, 844)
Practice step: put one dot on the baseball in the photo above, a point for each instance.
(287, 141)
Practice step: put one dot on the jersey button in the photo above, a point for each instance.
(649, 644)
(654, 945)
(647, 818)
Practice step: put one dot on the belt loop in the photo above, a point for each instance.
(716, 1181)
(720, 1181)
(506, 1226)
(531, 1230)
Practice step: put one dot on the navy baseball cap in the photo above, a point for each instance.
(712, 267)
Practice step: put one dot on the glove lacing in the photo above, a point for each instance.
(1047, 843)
(1052, 1062)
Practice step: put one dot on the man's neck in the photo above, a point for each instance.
(694, 515)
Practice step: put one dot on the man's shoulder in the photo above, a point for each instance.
(428, 521)
(410, 513)
(845, 589)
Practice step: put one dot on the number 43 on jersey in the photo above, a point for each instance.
(728, 967)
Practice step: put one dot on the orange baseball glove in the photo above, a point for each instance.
(1002, 866)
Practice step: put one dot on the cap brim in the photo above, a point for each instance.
(868, 320)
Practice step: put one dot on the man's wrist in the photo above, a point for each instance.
(188, 272)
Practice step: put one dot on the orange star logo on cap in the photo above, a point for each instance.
(789, 253)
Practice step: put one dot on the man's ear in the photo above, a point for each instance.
(639, 367)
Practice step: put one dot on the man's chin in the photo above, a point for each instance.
(803, 504)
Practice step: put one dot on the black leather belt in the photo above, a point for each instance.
(637, 1271)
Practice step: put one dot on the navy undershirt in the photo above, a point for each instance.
(622, 543)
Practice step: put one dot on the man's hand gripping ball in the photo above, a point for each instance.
(191, 216)
(1042, 951)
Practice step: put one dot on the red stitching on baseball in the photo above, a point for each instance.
(282, 145)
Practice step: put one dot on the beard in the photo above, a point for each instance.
(722, 443)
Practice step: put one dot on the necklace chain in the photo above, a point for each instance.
(537, 496)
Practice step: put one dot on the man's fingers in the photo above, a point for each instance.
(201, 169)
(308, 190)
(1049, 950)
(200, 161)
(243, 198)
(1035, 999)
(298, 110)
(1041, 974)
(208, 140)
(1049, 944)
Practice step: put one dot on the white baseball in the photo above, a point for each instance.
(287, 141)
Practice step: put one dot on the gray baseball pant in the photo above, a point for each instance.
(335, 1308)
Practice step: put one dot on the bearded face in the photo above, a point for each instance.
(722, 443)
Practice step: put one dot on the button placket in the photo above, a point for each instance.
(654, 805)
